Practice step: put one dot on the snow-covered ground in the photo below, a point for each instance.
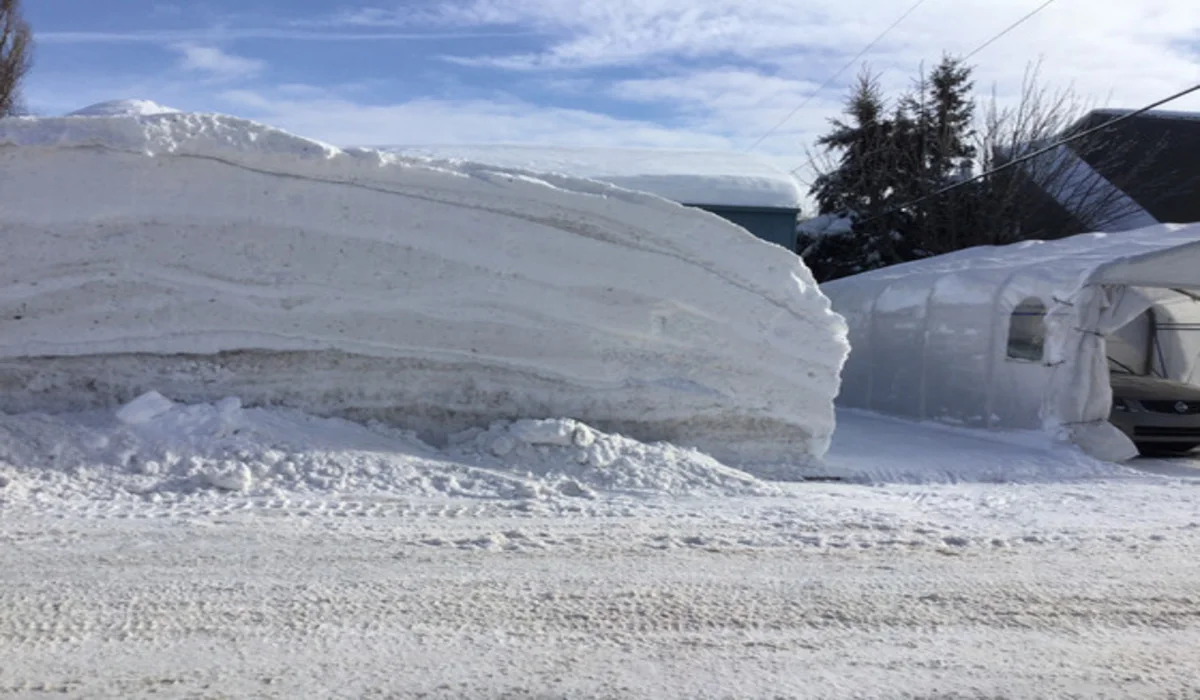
(212, 550)
(205, 545)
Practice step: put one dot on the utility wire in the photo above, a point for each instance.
(1008, 29)
(812, 95)
(1040, 152)
(996, 37)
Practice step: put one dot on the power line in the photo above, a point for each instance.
(978, 49)
(1008, 29)
(812, 95)
(1040, 152)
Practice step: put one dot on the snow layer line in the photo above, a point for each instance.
(207, 256)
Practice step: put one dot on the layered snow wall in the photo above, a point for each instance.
(204, 256)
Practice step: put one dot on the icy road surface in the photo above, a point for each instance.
(1080, 587)
(842, 591)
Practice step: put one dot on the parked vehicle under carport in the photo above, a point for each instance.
(1160, 416)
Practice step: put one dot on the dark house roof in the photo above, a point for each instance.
(1160, 169)
(1151, 161)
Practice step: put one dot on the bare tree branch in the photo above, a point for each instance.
(16, 53)
(1021, 204)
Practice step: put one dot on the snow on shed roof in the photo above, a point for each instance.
(714, 178)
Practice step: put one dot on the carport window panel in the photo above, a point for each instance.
(1027, 332)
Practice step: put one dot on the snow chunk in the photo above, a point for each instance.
(115, 108)
(544, 432)
(237, 477)
(144, 408)
(211, 256)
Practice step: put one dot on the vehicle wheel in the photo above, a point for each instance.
(1165, 449)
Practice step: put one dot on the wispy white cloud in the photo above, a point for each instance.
(696, 73)
(775, 50)
(613, 32)
(216, 63)
(739, 104)
(166, 9)
(222, 34)
(455, 13)
(332, 117)
(377, 18)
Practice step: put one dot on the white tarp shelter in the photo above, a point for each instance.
(1017, 337)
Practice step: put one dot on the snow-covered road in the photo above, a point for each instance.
(1081, 583)
(832, 591)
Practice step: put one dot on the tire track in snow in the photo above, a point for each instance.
(88, 605)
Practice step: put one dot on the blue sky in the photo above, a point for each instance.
(666, 73)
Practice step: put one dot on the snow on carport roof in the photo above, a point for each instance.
(1175, 266)
(714, 178)
(1167, 255)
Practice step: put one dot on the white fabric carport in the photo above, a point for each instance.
(934, 339)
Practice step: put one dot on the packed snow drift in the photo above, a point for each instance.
(204, 256)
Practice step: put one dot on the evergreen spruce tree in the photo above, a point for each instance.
(949, 118)
(886, 159)
(941, 150)
(862, 185)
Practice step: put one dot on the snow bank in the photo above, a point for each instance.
(713, 178)
(206, 256)
(157, 448)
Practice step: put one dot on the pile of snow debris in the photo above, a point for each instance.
(155, 448)
(207, 256)
(575, 454)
